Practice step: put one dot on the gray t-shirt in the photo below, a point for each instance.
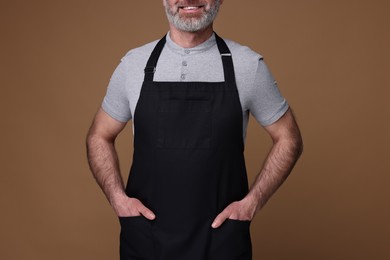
(258, 91)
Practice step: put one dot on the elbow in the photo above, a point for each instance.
(90, 141)
(90, 138)
(298, 145)
(94, 139)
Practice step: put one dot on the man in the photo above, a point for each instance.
(189, 97)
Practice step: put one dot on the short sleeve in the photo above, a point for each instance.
(116, 102)
(266, 104)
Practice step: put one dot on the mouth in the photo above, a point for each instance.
(191, 9)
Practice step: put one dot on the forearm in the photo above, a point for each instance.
(276, 168)
(278, 165)
(104, 164)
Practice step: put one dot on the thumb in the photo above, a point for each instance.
(147, 213)
(218, 221)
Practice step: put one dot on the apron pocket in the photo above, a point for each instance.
(135, 238)
(184, 124)
(231, 241)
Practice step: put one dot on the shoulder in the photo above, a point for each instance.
(139, 53)
(133, 62)
(242, 52)
(245, 59)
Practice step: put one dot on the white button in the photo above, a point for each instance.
(183, 76)
(187, 51)
(184, 63)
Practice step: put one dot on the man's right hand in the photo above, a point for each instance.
(131, 207)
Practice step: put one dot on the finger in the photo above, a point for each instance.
(218, 221)
(147, 213)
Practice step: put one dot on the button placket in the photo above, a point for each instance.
(184, 67)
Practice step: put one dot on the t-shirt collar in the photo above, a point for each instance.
(204, 46)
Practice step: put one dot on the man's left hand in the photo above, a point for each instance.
(243, 210)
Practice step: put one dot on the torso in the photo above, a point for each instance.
(188, 165)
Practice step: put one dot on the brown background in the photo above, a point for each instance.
(331, 60)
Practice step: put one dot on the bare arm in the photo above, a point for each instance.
(104, 164)
(286, 149)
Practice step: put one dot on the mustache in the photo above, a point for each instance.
(190, 3)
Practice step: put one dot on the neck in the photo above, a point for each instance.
(190, 39)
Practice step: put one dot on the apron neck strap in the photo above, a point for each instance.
(152, 62)
(227, 61)
(226, 56)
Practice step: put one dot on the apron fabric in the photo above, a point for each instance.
(188, 165)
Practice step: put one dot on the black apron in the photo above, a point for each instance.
(188, 165)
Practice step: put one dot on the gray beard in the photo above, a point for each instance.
(193, 24)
